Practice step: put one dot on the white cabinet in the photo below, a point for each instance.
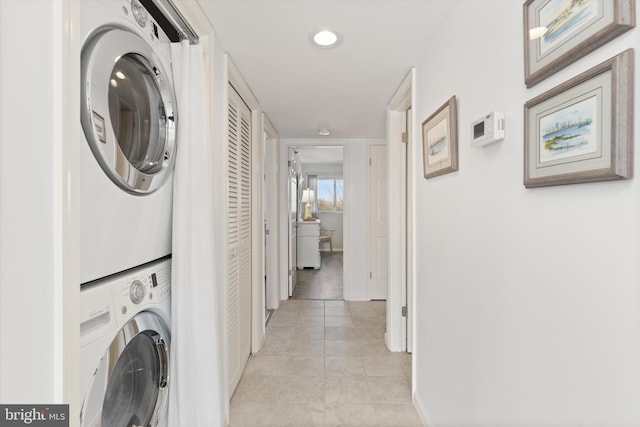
(308, 248)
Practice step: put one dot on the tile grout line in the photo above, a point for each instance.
(343, 400)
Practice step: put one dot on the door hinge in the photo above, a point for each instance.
(289, 163)
(290, 272)
(405, 137)
(371, 275)
(369, 161)
(404, 311)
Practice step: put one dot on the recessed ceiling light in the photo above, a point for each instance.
(325, 38)
(324, 132)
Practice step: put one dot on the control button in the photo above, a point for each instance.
(139, 13)
(137, 292)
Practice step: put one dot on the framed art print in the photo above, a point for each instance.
(558, 32)
(440, 141)
(582, 130)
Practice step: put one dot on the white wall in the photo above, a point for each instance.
(38, 290)
(527, 301)
(356, 264)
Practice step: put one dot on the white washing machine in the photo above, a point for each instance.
(129, 118)
(124, 348)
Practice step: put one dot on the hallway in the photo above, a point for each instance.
(325, 364)
(326, 283)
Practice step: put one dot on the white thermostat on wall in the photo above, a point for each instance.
(488, 129)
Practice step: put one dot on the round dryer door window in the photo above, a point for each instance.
(128, 110)
(130, 384)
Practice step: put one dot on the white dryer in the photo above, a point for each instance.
(124, 348)
(129, 117)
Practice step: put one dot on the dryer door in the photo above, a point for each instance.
(129, 387)
(128, 110)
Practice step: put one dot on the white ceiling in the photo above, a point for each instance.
(302, 88)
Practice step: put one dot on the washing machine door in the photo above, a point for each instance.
(130, 385)
(128, 110)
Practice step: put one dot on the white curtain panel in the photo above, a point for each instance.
(196, 380)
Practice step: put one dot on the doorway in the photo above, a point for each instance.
(319, 226)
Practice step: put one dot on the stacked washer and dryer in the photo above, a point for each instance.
(128, 115)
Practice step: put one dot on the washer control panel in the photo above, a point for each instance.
(148, 286)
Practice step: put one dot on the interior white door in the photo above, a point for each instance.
(378, 222)
(239, 236)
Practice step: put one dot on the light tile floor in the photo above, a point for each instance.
(324, 283)
(325, 364)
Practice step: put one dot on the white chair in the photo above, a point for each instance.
(326, 236)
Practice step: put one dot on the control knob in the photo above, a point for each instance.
(139, 13)
(137, 292)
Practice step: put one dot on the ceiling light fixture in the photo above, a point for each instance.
(324, 132)
(325, 38)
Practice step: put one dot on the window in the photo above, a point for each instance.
(330, 194)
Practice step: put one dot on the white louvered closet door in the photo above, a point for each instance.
(239, 236)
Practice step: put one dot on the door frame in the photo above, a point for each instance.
(399, 335)
(271, 210)
(285, 145)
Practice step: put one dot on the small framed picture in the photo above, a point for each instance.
(440, 141)
(558, 32)
(582, 130)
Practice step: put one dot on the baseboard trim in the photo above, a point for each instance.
(422, 412)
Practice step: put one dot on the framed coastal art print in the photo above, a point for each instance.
(582, 130)
(440, 141)
(557, 32)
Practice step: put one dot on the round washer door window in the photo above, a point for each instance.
(132, 392)
(130, 384)
(128, 110)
